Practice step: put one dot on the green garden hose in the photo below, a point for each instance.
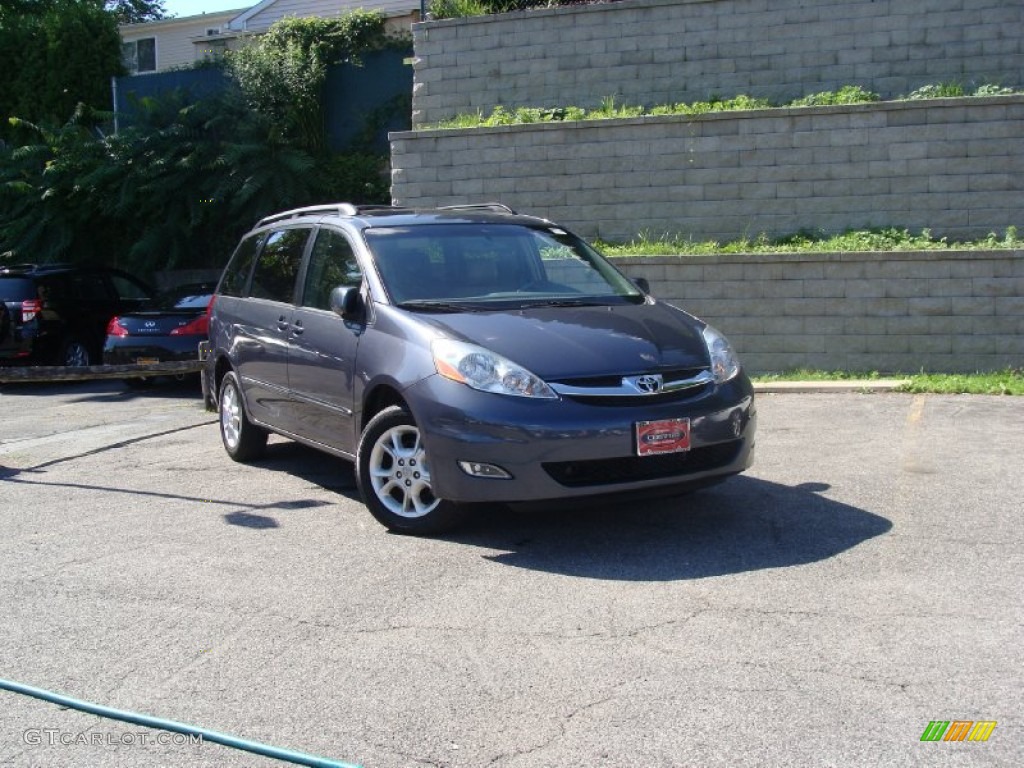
(226, 740)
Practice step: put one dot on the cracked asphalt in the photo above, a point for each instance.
(864, 579)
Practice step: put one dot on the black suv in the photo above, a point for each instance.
(57, 314)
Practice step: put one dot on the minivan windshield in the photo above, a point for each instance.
(450, 267)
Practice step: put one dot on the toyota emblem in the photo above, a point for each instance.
(650, 384)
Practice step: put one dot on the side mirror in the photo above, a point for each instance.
(642, 284)
(346, 302)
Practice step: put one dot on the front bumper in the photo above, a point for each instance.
(565, 448)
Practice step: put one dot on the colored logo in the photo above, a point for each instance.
(958, 730)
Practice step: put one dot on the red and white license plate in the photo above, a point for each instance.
(664, 436)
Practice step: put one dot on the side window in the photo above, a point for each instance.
(278, 265)
(332, 263)
(237, 272)
(89, 287)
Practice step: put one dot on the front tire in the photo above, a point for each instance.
(242, 439)
(393, 475)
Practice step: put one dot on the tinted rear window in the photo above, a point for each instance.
(16, 289)
(185, 297)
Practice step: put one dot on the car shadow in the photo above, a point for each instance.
(111, 390)
(329, 472)
(745, 524)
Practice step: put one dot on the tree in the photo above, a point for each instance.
(183, 179)
(62, 53)
(136, 11)
(282, 73)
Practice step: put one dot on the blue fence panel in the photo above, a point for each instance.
(198, 82)
(361, 103)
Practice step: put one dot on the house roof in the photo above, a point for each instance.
(212, 16)
(240, 21)
(389, 7)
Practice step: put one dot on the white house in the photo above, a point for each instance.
(156, 46)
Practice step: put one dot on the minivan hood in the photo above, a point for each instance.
(574, 342)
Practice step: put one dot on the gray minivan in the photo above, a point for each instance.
(467, 354)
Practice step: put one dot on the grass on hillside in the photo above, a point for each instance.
(611, 110)
(1007, 382)
(888, 239)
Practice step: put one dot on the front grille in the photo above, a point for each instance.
(641, 400)
(613, 390)
(676, 374)
(630, 469)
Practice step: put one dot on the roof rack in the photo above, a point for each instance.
(497, 207)
(339, 209)
(343, 209)
(12, 268)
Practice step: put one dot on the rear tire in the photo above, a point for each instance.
(74, 354)
(393, 475)
(242, 439)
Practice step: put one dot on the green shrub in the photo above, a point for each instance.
(458, 9)
(937, 91)
(850, 94)
(993, 90)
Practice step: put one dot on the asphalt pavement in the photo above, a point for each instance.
(861, 581)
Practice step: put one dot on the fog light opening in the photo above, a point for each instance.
(486, 471)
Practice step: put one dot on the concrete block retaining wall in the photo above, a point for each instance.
(651, 52)
(955, 166)
(942, 311)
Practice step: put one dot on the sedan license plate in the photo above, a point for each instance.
(664, 436)
(147, 360)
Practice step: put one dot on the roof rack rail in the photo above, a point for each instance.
(344, 209)
(340, 209)
(497, 207)
(29, 267)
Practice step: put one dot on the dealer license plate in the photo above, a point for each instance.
(664, 436)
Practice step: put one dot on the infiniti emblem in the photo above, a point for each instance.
(150, 324)
(649, 384)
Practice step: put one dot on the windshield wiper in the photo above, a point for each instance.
(436, 305)
(592, 302)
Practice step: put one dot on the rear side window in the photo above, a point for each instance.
(236, 274)
(278, 265)
(331, 264)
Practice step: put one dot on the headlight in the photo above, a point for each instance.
(724, 363)
(481, 369)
